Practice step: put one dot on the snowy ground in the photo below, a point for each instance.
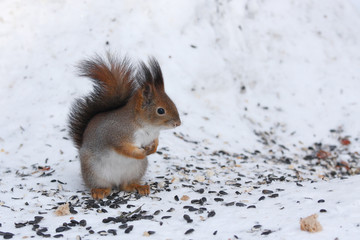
(268, 95)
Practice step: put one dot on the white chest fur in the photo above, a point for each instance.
(145, 136)
(117, 169)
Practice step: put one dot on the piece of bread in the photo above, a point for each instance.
(310, 224)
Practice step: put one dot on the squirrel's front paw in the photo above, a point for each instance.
(151, 148)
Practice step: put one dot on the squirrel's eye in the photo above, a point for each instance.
(161, 111)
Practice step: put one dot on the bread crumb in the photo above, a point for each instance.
(185, 198)
(200, 178)
(310, 224)
(174, 179)
(209, 173)
(62, 210)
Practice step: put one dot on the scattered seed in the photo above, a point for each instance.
(189, 231)
(20, 225)
(257, 226)
(73, 211)
(129, 229)
(273, 195)
(38, 218)
(201, 191)
(7, 235)
(267, 191)
(211, 214)
(62, 229)
(106, 220)
(223, 192)
(74, 221)
(345, 141)
(82, 223)
(239, 204)
(187, 218)
(171, 210)
(266, 232)
(321, 154)
(112, 231)
(123, 226)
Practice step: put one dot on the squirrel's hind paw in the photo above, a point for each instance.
(100, 193)
(141, 189)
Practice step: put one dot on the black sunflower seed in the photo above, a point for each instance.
(62, 229)
(112, 231)
(187, 218)
(82, 223)
(211, 214)
(123, 226)
(267, 191)
(129, 229)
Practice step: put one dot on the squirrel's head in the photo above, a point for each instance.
(155, 107)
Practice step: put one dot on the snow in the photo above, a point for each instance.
(288, 70)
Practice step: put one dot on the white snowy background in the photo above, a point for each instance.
(289, 70)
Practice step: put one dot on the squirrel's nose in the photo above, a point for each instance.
(177, 123)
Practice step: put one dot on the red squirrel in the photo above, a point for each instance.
(117, 125)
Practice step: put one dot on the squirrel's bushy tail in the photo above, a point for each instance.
(113, 86)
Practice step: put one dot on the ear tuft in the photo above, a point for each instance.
(151, 74)
(156, 73)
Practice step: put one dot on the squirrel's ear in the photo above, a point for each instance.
(147, 94)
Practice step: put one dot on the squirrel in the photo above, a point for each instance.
(117, 125)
